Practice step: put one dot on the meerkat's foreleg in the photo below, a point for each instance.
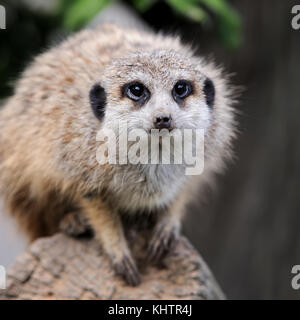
(108, 230)
(163, 238)
(166, 231)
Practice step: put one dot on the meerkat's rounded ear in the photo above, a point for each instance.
(209, 91)
(98, 100)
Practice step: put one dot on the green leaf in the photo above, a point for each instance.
(190, 9)
(80, 12)
(143, 5)
(229, 22)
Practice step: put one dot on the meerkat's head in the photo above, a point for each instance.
(165, 89)
(156, 90)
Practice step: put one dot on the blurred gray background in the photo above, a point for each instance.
(247, 230)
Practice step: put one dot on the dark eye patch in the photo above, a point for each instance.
(98, 100)
(209, 91)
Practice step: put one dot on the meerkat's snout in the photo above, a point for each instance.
(163, 121)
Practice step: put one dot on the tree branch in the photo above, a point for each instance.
(61, 267)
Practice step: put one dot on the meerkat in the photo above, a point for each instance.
(50, 179)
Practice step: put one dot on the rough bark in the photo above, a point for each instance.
(61, 267)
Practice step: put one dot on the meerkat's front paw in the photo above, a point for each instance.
(128, 270)
(75, 224)
(162, 241)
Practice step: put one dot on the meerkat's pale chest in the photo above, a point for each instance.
(146, 187)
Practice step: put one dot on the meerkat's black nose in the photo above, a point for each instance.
(162, 121)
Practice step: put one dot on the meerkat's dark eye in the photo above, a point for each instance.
(182, 90)
(136, 91)
(209, 91)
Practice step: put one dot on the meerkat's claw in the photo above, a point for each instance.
(127, 269)
(161, 244)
